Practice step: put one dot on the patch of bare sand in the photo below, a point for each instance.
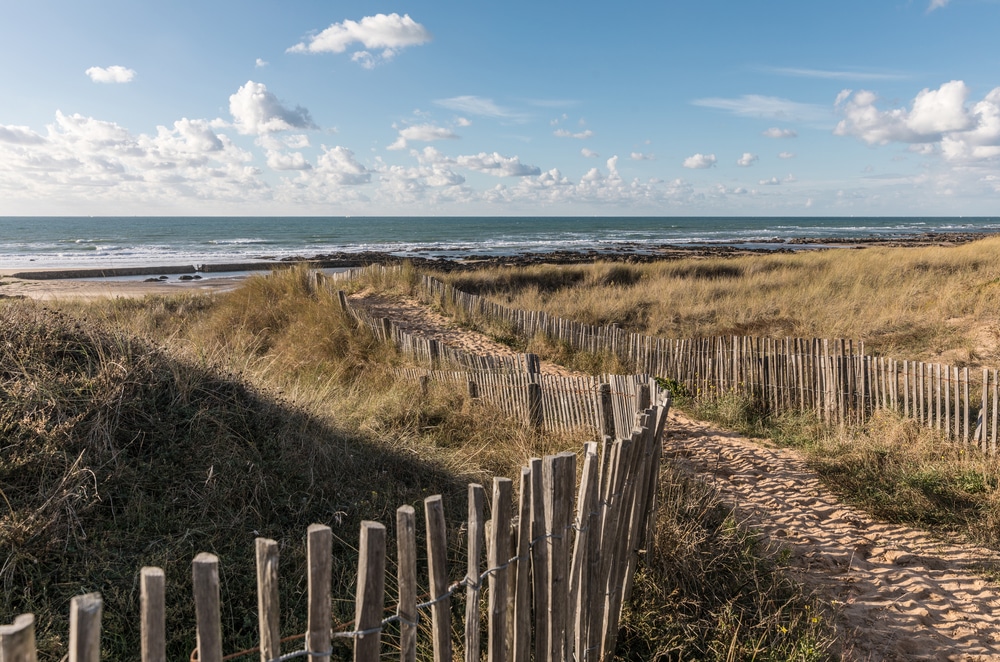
(413, 317)
(901, 594)
(51, 290)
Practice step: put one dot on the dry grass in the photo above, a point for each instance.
(139, 432)
(222, 420)
(922, 303)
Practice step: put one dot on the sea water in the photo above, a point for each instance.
(107, 242)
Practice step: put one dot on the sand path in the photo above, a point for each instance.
(899, 593)
(413, 317)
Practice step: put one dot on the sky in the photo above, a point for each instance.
(360, 107)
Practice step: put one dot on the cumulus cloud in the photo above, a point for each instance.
(497, 165)
(463, 121)
(287, 161)
(589, 153)
(19, 135)
(937, 4)
(257, 111)
(113, 74)
(261, 63)
(699, 161)
(581, 135)
(786, 155)
(775, 132)
(339, 166)
(386, 33)
(756, 105)
(639, 156)
(747, 160)
(422, 133)
(937, 121)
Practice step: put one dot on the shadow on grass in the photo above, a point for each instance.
(115, 455)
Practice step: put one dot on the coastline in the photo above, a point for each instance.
(50, 284)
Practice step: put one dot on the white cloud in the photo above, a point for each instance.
(639, 156)
(581, 135)
(338, 166)
(257, 111)
(497, 165)
(700, 161)
(937, 4)
(775, 132)
(261, 63)
(387, 33)
(463, 122)
(19, 135)
(422, 133)
(113, 74)
(481, 106)
(937, 122)
(786, 155)
(588, 153)
(747, 160)
(756, 105)
(774, 181)
(287, 161)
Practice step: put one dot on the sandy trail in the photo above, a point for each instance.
(413, 317)
(899, 593)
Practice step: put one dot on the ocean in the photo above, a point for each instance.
(109, 242)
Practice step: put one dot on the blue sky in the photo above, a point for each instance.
(686, 107)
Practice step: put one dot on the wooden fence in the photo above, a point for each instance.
(553, 403)
(556, 574)
(836, 379)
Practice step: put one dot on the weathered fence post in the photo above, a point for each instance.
(319, 549)
(268, 611)
(498, 555)
(17, 640)
(535, 416)
(207, 607)
(437, 554)
(406, 542)
(522, 589)
(606, 410)
(85, 628)
(370, 598)
(477, 499)
(153, 618)
(342, 298)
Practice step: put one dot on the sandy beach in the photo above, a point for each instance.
(48, 290)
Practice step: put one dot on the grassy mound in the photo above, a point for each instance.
(116, 454)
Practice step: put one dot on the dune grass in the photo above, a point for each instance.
(927, 303)
(140, 432)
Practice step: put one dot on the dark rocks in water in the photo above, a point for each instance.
(186, 277)
(162, 278)
(196, 277)
(152, 280)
